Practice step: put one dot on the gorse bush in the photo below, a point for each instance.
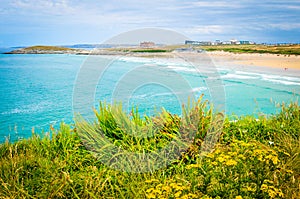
(252, 158)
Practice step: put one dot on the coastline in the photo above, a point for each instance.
(219, 57)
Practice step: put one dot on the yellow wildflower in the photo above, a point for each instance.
(190, 166)
(151, 195)
(260, 158)
(275, 159)
(166, 188)
(152, 180)
(251, 189)
(210, 155)
(271, 193)
(231, 163)
(159, 185)
(279, 192)
(150, 190)
(184, 197)
(221, 159)
(241, 156)
(206, 197)
(173, 185)
(177, 194)
(264, 187)
(268, 181)
(238, 197)
(232, 153)
(214, 163)
(191, 195)
(157, 191)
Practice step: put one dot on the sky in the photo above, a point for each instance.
(67, 22)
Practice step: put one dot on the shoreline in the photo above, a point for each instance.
(220, 58)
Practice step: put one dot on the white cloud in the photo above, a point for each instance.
(294, 7)
(197, 18)
(207, 29)
(285, 26)
(217, 4)
(43, 6)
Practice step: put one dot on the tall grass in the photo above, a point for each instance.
(252, 159)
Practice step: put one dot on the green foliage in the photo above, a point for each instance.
(150, 51)
(252, 159)
(48, 48)
(282, 49)
(115, 134)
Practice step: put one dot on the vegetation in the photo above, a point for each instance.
(274, 49)
(150, 51)
(48, 48)
(293, 49)
(43, 50)
(252, 158)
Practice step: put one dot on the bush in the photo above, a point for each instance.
(252, 159)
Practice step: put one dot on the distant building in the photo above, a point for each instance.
(245, 42)
(235, 42)
(217, 42)
(147, 44)
(198, 43)
(226, 42)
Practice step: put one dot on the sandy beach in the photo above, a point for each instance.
(249, 60)
(283, 62)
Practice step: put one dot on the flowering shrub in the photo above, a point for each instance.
(241, 169)
(170, 189)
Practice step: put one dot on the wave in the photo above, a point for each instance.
(184, 69)
(236, 76)
(282, 81)
(32, 108)
(199, 89)
(286, 80)
(192, 91)
(155, 61)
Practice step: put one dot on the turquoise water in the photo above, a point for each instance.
(36, 91)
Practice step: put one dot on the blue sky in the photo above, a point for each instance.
(61, 22)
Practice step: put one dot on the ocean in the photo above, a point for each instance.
(37, 91)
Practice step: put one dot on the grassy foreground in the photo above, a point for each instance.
(252, 159)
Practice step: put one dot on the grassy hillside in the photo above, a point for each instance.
(43, 50)
(282, 49)
(252, 159)
(48, 48)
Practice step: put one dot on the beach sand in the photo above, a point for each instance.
(221, 58)
(283, 62)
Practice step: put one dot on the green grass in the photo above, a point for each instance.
(282, 49)
(150, 51)
(48, 48)
(252, 159)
